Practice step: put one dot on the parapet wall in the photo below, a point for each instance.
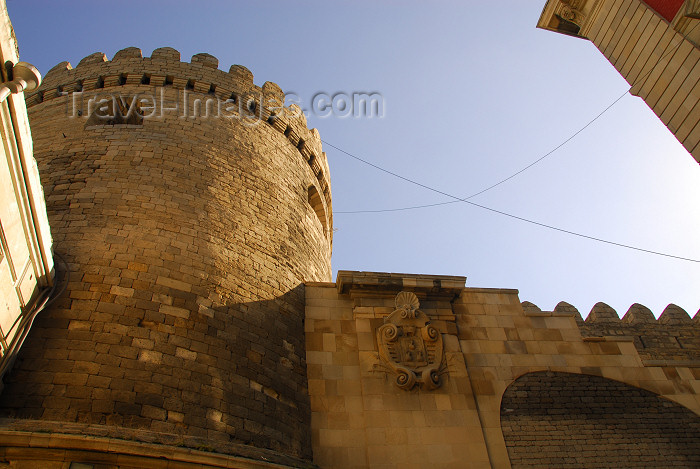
(673, 337)
(201, 75)
(514, 386)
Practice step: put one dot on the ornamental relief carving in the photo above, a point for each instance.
(692, 9)
(570, 10)
(409, 346)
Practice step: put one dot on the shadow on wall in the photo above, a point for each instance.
(567, 420)
(217, 381)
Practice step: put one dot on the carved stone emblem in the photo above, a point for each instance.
(410, 346)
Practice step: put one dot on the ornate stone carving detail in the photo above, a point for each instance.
(571, 11)
(692, 9)
(410, 346)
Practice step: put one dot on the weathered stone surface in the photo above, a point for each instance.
(674, 315)
(562, 419)
(166, 54)
(613, 393)
(638, 314)
(189, 241)
(94, 58)
(530, 307)
(128, 53)
(206, 60)
(602, 313)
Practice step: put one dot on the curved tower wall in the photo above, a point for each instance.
(188, 240)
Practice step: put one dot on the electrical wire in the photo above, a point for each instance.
(516, 217)
(492, 186)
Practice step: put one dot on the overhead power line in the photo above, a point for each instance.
(510, 215)
(466, 200)
(492, 186)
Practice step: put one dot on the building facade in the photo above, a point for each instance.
(26, 257)
(197, 324)
(654, 46)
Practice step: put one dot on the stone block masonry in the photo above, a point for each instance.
(199, 327)
(516, 387)
(189, 239)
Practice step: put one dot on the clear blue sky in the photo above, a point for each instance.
(473, 92)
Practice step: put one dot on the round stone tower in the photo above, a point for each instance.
(190, 207)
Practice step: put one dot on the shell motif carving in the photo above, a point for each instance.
(408, 303)
(410, 346)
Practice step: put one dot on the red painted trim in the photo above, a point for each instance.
(665, 8)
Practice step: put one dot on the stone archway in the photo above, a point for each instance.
(567, 420)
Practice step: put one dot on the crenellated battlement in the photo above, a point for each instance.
(603, 313)
(673, 336)
(523, 367)
(201, 76)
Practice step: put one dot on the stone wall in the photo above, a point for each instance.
(362, 343)
(360, 418)
(188, 238)
(563, 420)
(671, 338)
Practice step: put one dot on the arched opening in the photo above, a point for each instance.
(317, 205)
(567, 420)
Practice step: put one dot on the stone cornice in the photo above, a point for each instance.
(383, 284)
(581, 13)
